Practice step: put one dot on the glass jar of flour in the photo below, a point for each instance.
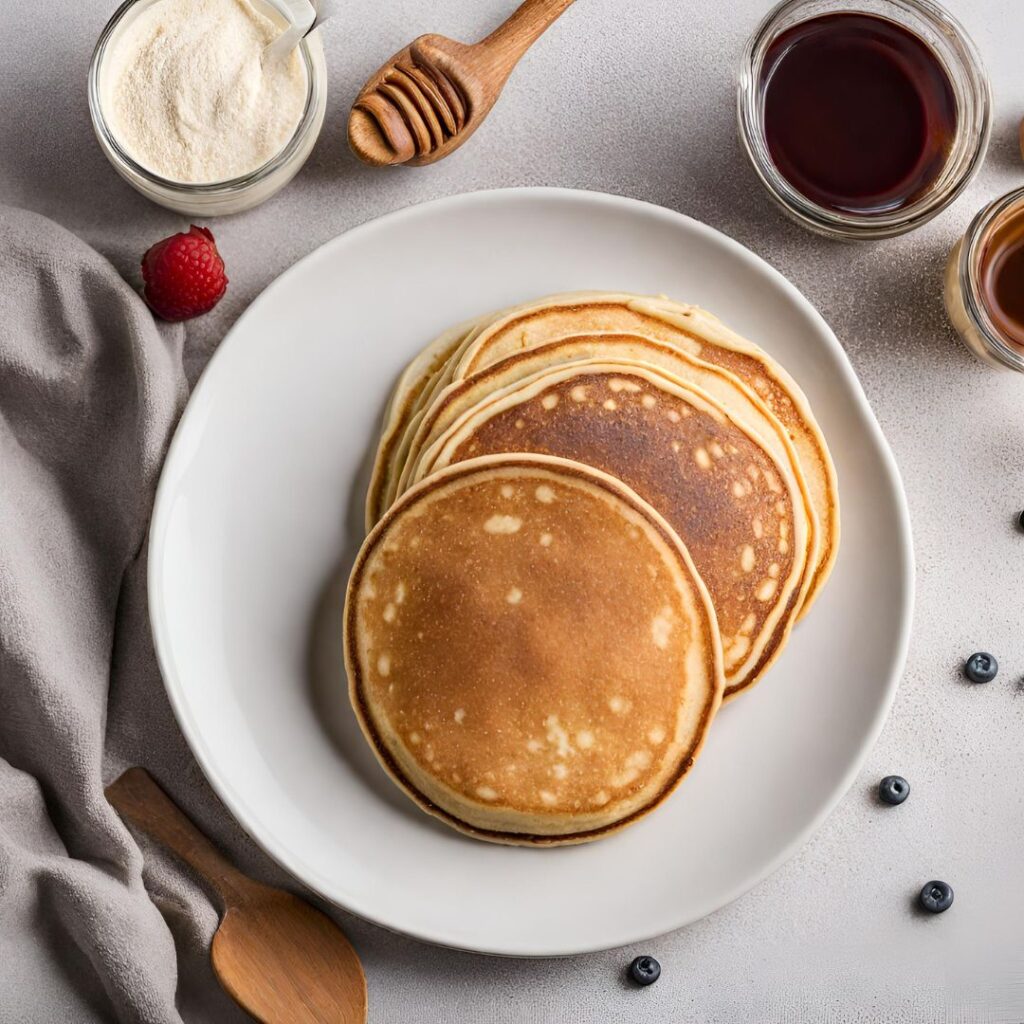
(191, 112)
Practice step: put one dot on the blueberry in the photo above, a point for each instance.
(645, 970)
(936, 897)
(981, 668)
(893, 789)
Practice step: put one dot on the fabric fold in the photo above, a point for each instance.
(90, 389)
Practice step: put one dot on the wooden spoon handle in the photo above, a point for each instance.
(509, 41)
(140, 801)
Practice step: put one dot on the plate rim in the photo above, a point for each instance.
(162, 503)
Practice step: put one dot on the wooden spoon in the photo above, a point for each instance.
(279, 958)
(430, 97)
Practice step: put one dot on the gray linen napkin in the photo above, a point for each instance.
(89, 391)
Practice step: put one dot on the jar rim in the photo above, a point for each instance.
(962, 64)
(971, 249)
(225, 186)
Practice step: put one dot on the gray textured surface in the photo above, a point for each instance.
(638, 99)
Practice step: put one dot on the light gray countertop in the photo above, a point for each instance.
(638, 99)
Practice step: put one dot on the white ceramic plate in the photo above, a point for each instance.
(259, 514)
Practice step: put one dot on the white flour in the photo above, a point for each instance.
(186, 95)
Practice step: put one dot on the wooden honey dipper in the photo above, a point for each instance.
(431, 96)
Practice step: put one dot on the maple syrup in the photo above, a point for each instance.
(984, 283)
(1001, 277)
(859, 112)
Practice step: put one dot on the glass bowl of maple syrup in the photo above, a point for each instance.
(863, 119)
(984, 288)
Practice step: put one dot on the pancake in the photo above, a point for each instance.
(705, 337)
(404, 400)
(531, 654)
(738, 511)
(438, 376)
(724, 387)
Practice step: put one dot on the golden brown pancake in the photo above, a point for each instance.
(404, 401)
(702, 335)
(738, 511)
(721, 385)
(531, 654)
(428, 373)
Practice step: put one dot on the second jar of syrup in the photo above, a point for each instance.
(984, 287)
(863, 120)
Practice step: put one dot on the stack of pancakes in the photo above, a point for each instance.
(592, 518)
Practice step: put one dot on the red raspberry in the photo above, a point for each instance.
(184, 275)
